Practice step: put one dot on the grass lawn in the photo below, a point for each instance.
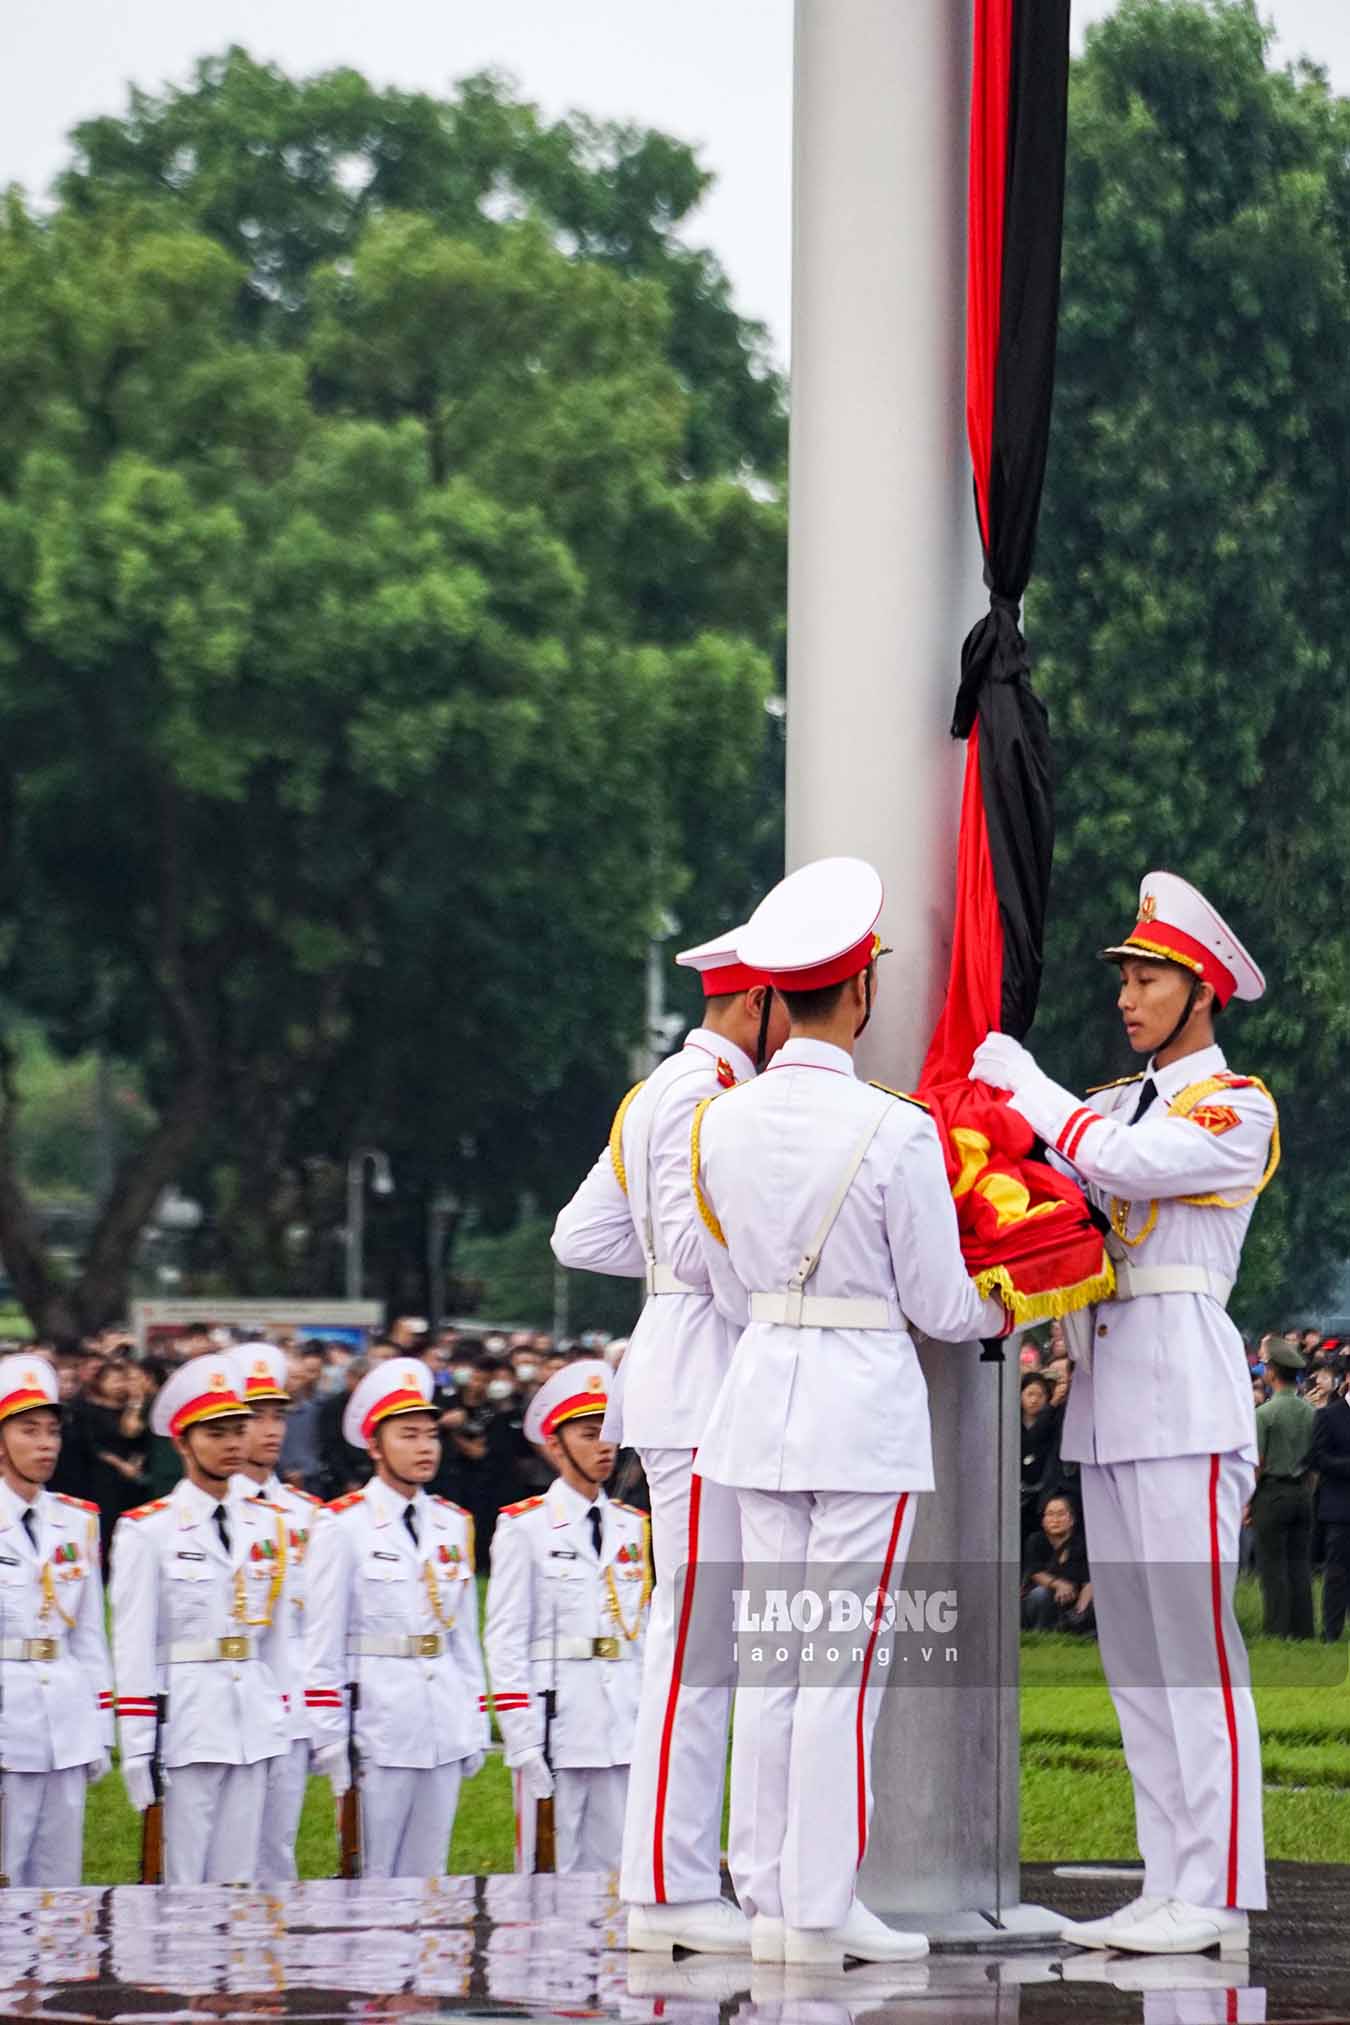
(1076, 1802)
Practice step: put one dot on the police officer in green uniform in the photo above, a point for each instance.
(1282, 1504)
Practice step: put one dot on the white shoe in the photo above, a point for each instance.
(710, 1926)
(1177, 1928)
(862, 1936)
(1093, 1933)
(766, 1938)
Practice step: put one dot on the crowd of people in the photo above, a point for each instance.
(483, 1382)
(1298, 1520)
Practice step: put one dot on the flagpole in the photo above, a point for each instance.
(884, 582)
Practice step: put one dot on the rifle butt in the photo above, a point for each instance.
(349, 1834)
(152, 1843)
(545, 1844)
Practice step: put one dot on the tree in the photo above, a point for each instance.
(1190, 615)
(345, 754)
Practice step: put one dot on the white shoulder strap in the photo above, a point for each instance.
(810, 1258)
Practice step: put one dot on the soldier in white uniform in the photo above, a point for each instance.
(391, 1605)
(1160, 1414)
(629, 1214)
(197, 1584)
(828, 1229)
(566, 1619)
(55, 1675)
(261, 1380)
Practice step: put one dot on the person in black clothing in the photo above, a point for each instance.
(113, 1434)
(1329, 1456)
(1040, 1449)
(1056, 1580)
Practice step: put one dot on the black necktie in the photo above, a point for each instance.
(1146, 1096)
(596, 1526)
(30, 1526)
(221, 1527)
(410, 1521)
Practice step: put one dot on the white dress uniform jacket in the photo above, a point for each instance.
(372, 1598)
(827, 1408)
(680, 1350)
(176, 1594)
(300, 1510)
(56, 1711)
(547, 1582)
(1166, 1374)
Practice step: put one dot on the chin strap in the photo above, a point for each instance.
(1182, 1024)
(766, 1013)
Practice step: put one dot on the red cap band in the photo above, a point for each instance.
(23, 1401)
(206, 1406)
(731, 977)
(836, 970)
(1159, 938)
(573, 1408)
(406, 1400)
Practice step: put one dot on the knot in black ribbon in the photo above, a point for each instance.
(994, 651)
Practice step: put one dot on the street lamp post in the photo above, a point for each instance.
(382, 1181)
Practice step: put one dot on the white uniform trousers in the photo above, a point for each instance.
(44, 1826)
(801, 1781)
(1162, 1542)
(588, 1813)
(672, 1845)
(286, 1777)
(212, 1820)
(407, 1815)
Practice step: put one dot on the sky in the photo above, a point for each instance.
(714, 72)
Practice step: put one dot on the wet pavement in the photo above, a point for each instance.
(546, 1947)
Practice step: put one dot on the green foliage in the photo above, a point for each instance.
(512, 1280)
(385, 627)
(1190, 611)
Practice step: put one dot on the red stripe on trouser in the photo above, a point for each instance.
(519, 1799)
(1225, 1679)
(882, 1586)
(673, 1696)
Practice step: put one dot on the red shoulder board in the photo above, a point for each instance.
(308, 1496)
(451, 1506)
(144, 1511)
(345, 1504)
(636, 1510)
(84, 1505)
(521, 1505)
(1232, 1082)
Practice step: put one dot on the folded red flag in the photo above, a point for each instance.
(1026, 1231)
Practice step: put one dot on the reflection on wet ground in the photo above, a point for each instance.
(545, 1947)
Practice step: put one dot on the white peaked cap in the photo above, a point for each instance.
(400, 1385)
(260, 1371)
(1177, 923)
(578, 1389)
(202, 1389)
(720, 966)
(818, 926)
(26, 1381)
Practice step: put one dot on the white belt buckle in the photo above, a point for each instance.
(794, 1304)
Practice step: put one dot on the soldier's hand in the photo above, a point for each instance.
(470, 1767)
(536, 1780)
(98, 1768)
(333, 1764)
(138, 1782)
(1003, 1063)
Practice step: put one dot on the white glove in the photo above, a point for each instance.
(470, 1767)
(140, 1786)
(98, 1768)
(333, 1764)
(536, 1781)
(1003, 1063)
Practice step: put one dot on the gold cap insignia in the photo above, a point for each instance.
(595, 1383)
(1148, 909)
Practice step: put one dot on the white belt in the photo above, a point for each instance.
(577, 1648)
(189, 1651)
(1133, 1280)
(824, 1311)
(415, 1645)
(31, 1648)
(661, 1280)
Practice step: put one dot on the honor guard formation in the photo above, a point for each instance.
(795, 1230)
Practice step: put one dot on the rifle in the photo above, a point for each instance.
(152, 1825)
(545, 1843)
(349, 1807)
